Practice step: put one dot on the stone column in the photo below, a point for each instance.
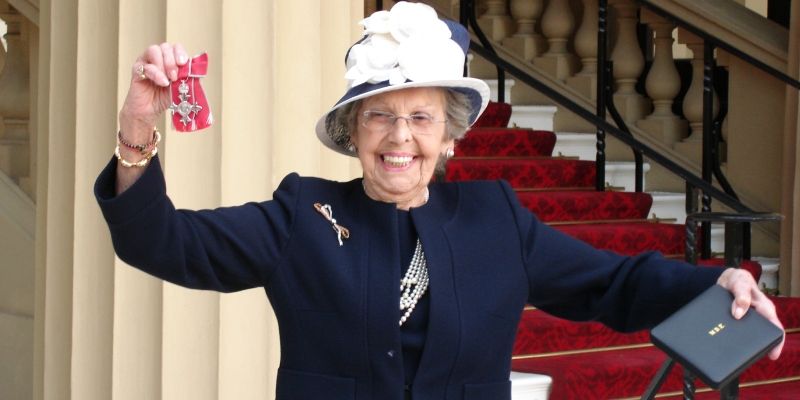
(527, 43)
(558, 23)
(585, 81)
(104, 330)
(628, 63)
(663, 84)
(138, 348)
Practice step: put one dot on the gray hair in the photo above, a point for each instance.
(342, 122)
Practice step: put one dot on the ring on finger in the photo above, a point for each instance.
(140, 72)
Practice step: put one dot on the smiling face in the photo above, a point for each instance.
(399, 162)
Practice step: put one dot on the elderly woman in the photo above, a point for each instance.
(391, 286)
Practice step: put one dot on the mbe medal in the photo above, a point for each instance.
(189, 106)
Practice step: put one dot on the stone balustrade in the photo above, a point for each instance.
(559, 38)
(657, 83)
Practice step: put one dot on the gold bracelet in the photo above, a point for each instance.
(142, 149)
(139, 164)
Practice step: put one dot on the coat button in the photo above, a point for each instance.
(390, 353)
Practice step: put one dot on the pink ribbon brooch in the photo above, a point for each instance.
(327, 212)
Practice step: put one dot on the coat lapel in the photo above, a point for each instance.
(377, 230)
(441, 344)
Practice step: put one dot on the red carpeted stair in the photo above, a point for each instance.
(587, 360)
(507, 142)
(558, 205)
(522, 172)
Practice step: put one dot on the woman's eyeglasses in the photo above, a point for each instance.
(382, 121)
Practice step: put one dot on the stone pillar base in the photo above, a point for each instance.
(585, 84)
(665, 129)
(660, 179)
(528, 47)
(691, 149)
(480, 68)
(616, 150)
(496, 27)
(559, 66)
(26, 184)
(567, 121)
(526, 95)
(14, 157)
(632, 107)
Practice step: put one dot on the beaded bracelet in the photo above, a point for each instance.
(141, 148)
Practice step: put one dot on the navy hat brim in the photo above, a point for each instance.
(475, 89)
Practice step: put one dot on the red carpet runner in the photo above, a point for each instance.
(587, 360)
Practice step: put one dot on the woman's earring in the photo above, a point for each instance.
(450, 152)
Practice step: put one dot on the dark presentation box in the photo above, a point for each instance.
(704, 337)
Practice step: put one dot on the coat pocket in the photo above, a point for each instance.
(297, 385)
(488, 391)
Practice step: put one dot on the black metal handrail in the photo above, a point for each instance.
(603, 83)
(605, 101)
(712, 128)
(735, 227)
(608, 94)
(467, 17)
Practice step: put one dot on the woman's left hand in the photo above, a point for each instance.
(747, 294)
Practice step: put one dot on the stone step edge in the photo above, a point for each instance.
(529, 386)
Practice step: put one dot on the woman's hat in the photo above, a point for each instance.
(406, 47)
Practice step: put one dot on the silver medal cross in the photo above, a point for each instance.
(184, 108)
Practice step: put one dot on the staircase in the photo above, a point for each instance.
(588, 360)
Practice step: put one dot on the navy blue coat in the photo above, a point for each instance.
(337, 306)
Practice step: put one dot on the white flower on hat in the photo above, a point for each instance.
(409, 42)
(421, 59)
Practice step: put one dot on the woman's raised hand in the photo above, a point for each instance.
(747, 294)
(149, 95)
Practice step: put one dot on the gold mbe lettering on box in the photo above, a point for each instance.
(717, 329)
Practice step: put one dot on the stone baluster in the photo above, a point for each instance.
(628, 63)
(495, 22)
(692, 146)
(558, 23)
(526, 42)
(663, 84)
(585, 44)
(15, 102)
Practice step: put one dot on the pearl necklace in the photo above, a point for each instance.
(414, 284)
